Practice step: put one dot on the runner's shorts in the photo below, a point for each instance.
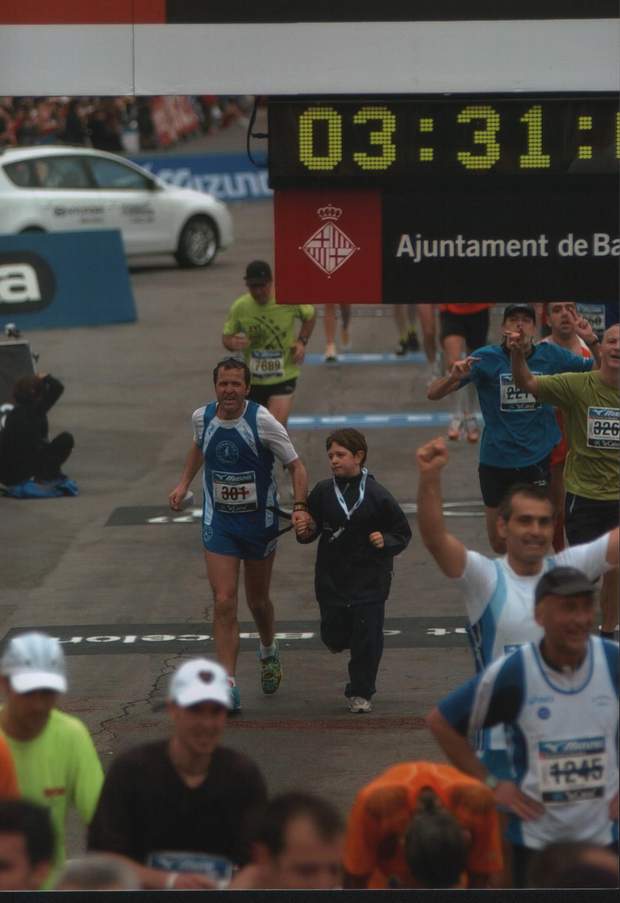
(587, 519)
(496, 481)
(248, 547)
(472, 327)
(262, 394)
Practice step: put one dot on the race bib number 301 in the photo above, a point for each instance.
(603, 427)
(267, 363)
(234, 493)
(572, 770)
(512, 398)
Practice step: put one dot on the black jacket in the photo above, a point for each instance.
(349, 570)
(25, 432)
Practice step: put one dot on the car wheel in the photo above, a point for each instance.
(198, 243)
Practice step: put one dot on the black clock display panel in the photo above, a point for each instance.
(389, 142)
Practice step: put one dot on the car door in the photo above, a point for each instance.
(131, 197)
(60, 196)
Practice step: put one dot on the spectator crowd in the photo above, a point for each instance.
(117, 124)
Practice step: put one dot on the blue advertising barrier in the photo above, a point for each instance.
(228, 177)
(64, 279)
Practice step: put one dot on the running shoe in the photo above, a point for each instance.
(454, 429)
(413, 343)
(235, 699)
(402, 347)
(471, 429)
(345, 340)
(270, 672)
(330, 356)
(357, 705)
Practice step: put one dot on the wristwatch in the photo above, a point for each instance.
(303, 339)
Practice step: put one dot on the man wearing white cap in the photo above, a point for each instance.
(55, 758)
(184, 795)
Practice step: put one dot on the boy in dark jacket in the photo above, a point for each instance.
(361, 527)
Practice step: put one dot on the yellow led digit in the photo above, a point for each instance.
(426, 154)
(534, 159)
(307, 122)
(382, 139)
(584, 124)
(484, 136)
(618, 135)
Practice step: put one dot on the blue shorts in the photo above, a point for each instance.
(247, 548)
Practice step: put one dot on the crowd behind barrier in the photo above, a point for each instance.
(117, 124)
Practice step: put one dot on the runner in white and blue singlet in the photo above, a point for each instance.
(558, 701)
(238, 441)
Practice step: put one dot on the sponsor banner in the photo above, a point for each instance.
(196, 638)
(501, 242)
(64, 279)
(228, 177)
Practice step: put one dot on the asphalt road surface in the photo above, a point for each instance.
(123, 583)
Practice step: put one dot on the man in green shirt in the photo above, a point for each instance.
(591, 405)
(56, 762)
(265, 332)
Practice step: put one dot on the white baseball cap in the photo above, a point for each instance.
(34, 661)
(200, 680)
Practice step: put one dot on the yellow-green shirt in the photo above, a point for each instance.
(271, 330)
(58, 769)
(592, 422)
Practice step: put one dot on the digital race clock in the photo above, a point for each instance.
(386, 142)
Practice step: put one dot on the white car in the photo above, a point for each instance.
(62, 189)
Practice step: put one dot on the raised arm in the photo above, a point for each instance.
(520, 371)
(448, 551)
(450, 383)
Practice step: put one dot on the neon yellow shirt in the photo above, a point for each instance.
(270, 328)
(592, 422)
(58, 769)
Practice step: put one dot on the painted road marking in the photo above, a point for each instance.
(157, 515)
(395, 420)
(354, 357)
(196, 638)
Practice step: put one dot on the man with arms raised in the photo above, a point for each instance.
(238, 442)
(498, 592)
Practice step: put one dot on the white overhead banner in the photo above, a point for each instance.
(289, 47)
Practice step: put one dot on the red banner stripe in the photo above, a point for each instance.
(82, 12)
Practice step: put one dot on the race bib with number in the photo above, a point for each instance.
(512, 398)
(234, 493)
(267, 363)
(594, 314)
(572, 770)
(603, 427)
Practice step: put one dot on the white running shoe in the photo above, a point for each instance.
(358, 704)
(455, 428)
